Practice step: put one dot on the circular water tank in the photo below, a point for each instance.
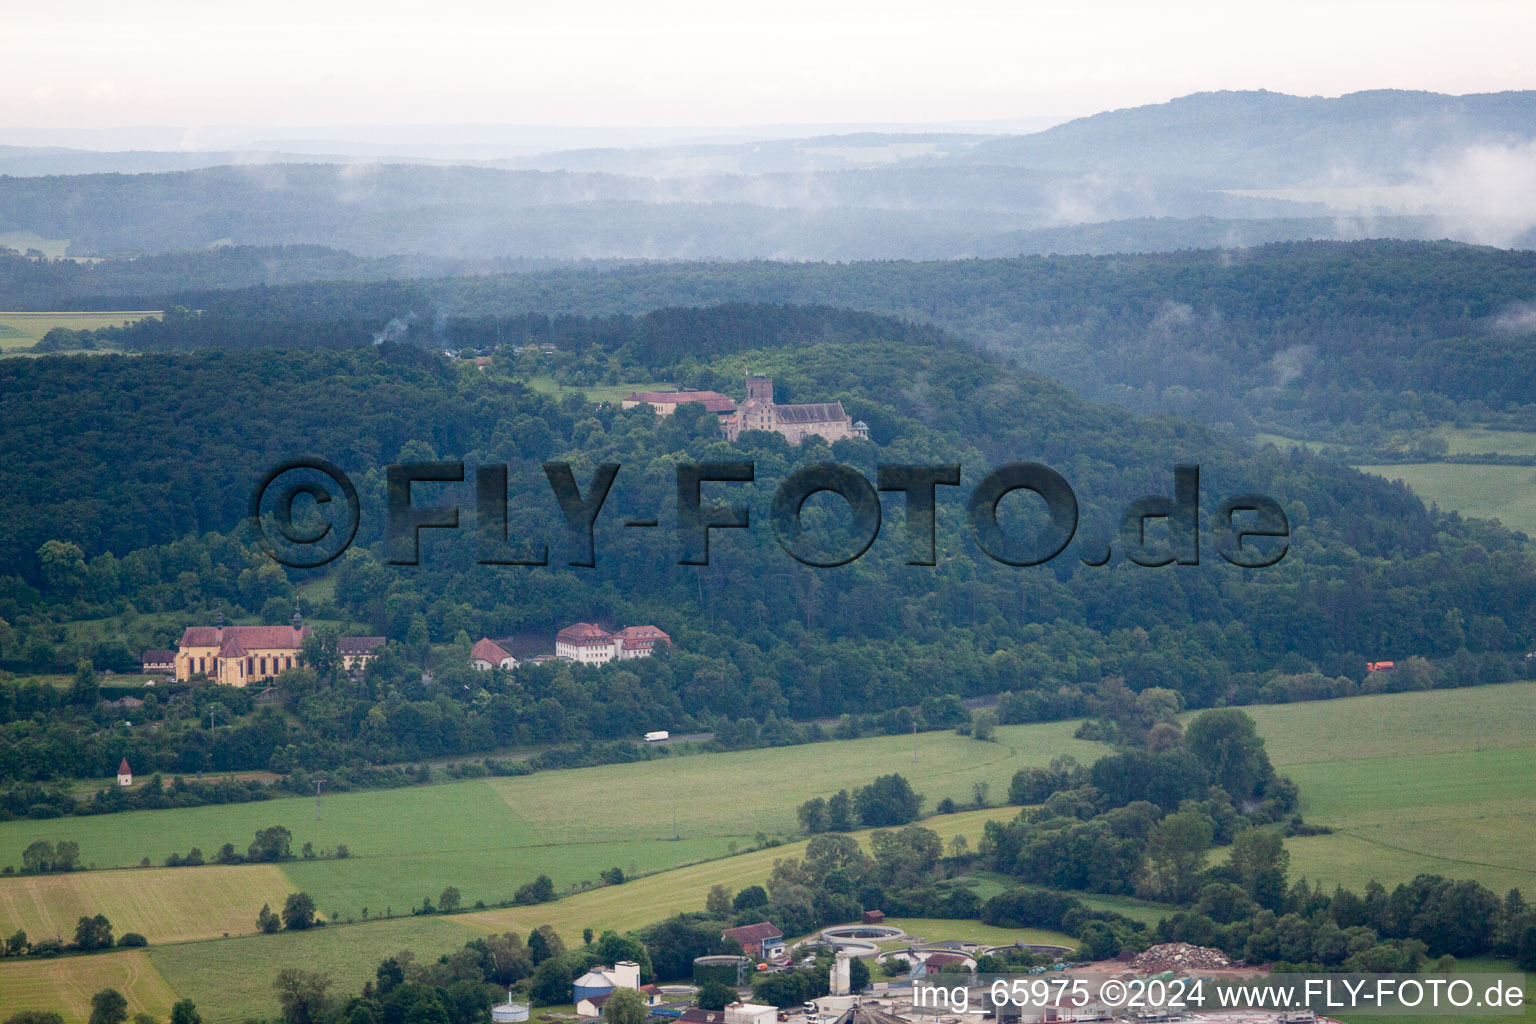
(580, 992)
(509, 1013)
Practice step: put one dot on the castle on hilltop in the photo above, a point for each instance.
(826, 420)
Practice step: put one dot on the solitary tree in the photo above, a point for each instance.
(185, 1012)
(298, 912)
(715, 995)
(624, 1006)
(448, 901)
(108, 1007)
(92, 933)
(266, 921)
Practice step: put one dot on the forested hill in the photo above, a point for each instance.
(1266, 139)
(176, 442)
(1353, 335)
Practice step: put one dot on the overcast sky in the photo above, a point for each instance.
(102, 63)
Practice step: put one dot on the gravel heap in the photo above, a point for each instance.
(1180, 956)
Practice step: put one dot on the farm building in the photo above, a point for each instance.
(592, 989)
(665, 403)
(592, 645)
(762, 940)
(159, 663)
(488, 654)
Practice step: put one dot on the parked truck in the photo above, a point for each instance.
(657, 736)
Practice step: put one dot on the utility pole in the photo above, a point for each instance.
(914, 741)
(317, 799)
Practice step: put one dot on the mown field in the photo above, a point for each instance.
(1435, 782)
(487, 837)
(66, 985)
(22, 330)
(162, 904)
(1505, 493)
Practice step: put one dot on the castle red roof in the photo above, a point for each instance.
(486, 649)
(583, 634)
(714, 401)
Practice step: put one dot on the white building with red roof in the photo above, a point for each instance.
(124, 774)
(593, 645)
(488, 654)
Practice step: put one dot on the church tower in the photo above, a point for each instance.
(760, 389)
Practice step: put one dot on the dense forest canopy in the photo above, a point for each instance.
(1309, 338)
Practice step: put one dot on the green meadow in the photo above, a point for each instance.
(1436, 782)
(487, 837)
(1505, 493)
(22, 330)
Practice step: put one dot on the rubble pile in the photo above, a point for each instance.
(1180, 956)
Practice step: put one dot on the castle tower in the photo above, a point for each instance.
(760, 388)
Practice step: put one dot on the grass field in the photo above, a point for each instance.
(21, 241)
(1505, 493)
(1413, 782)
(1434, 781)
(27, 329)
(67, 984)
(1477, 441)
(162, 904)
(595, 392)
(234, 976)
(231, 979)
(487, 837)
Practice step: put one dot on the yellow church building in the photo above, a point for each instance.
(239, 655)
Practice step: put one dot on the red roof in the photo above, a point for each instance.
(714, 401)
(251, 637)
(637, 637)
(123, 768)
(753, 933)
(486, 649)
(583, 634)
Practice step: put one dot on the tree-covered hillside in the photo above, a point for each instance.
(1318, 339)
(176, 442)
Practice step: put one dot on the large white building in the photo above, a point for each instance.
(593, 645)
